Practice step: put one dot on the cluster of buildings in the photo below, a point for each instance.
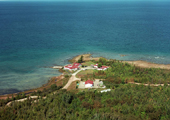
(76, 66)
(88, 83)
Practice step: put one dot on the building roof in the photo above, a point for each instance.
(89, 82)
(75, 65)
(103, 67)
(96, 64)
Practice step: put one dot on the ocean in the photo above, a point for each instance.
(37, 35)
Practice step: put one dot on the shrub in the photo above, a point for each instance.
(66, 76)
(53, 87)
(99, 65)
(80, 60)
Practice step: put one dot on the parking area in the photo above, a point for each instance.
(81, 85)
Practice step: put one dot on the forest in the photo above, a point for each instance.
(125, 101)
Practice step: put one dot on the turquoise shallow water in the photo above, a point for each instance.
(37, 35)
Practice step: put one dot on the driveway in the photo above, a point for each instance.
(81, 85)
(73, 78)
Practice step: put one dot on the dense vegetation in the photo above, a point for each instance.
(123, 102)
(125, 72)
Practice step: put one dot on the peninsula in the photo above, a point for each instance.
(97, 84)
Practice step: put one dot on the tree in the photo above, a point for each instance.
(103, 61)
(99, 65)
(80, 60)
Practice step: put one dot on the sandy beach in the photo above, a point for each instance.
(145, 64)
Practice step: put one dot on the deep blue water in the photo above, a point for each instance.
(37, 35)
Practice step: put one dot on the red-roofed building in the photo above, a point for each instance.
(74, 67)
(96, 65)
(76, 64)
(88, 83)
(102, 68)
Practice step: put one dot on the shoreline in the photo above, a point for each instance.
(28, 92)
(145, 64)
(138, 63)
(88, 57)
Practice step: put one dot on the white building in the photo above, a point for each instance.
(103, 68)
(88, 84)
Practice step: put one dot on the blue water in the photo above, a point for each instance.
(37, 35)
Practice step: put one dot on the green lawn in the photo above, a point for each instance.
(89, 63)
(84, 73)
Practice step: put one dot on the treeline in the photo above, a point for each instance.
(132, 102)
(126, 72)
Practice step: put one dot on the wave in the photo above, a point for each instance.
(157, 57)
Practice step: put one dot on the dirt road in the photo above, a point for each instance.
(73, 78)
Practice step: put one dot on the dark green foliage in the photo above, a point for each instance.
(66, 76)
(99, 65)
(127, 102)
(53, 87)
(80, 60)
(103, 61)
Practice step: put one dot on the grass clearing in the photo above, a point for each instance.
(72, 86)
(62, 82)
(84, 73)
(88, 63)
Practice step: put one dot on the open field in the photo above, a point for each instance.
(84, 73)
(88, 63)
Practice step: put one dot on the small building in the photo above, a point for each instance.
(88, 84)
(103, 68)
(73, 67)
(105, 90)
(96, 65)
